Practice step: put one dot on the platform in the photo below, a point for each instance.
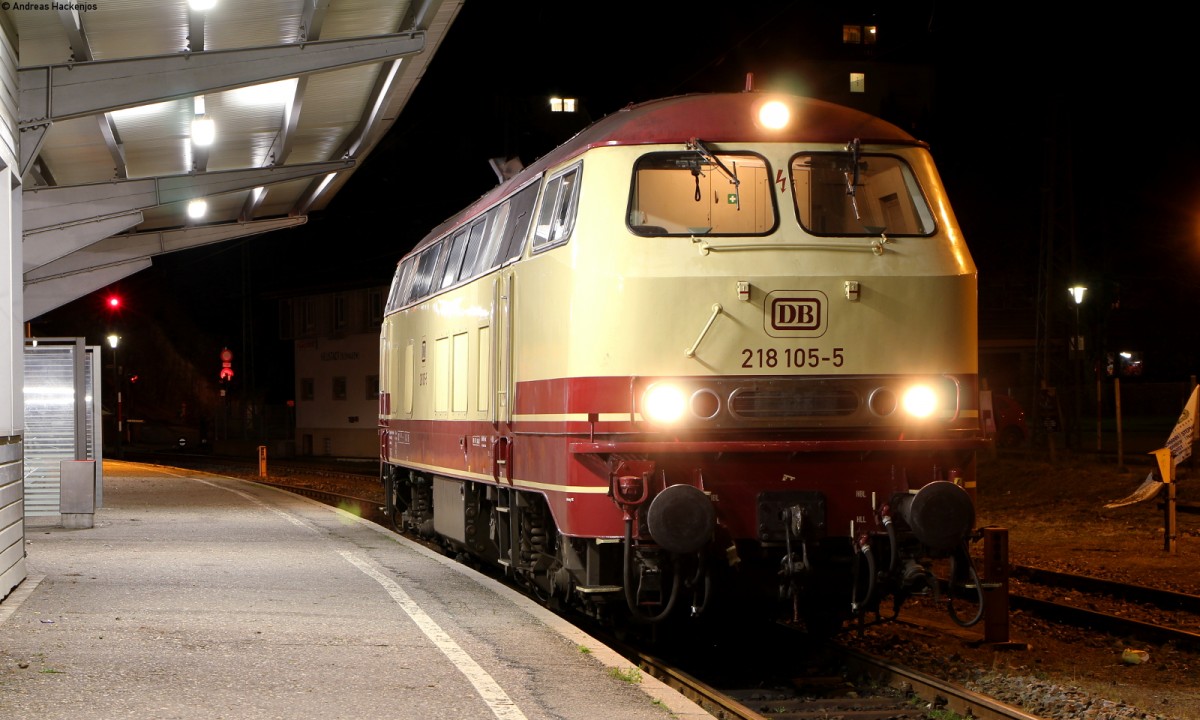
(202, 596)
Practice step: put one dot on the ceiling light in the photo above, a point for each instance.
(198, 105)
(202, 5)
(204, 131)
(197, 209)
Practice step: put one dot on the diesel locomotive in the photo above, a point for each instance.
(714, 348)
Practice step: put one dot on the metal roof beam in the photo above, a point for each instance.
(45, 295)
(115, 147)
(314, 18)
(195, 37)
(350, 146)
(45, 208)
(281, 147)
(397, 82)
(81, 49)
(134, 246)
(40, 247)
(58, 92)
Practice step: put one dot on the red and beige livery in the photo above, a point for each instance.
(714, 347)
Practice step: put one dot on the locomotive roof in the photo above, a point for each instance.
(711, 117)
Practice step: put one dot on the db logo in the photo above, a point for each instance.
(795, 313)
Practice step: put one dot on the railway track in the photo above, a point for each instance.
(864, 687)
(1150, 614)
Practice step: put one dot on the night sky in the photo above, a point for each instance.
(1030, 109)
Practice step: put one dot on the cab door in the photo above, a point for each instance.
(502, 353)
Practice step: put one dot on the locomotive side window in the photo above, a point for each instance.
(423, 277)
(686, 193)
(474, 245)
(520, 216)
(397, 293)
(458, 247)
(880, 195)
(491, 239)
(556, 218)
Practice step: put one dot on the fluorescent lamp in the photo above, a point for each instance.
(197, 209)
(204, 131)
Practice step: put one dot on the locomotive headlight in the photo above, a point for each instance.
(920, 401)
(774, 115)
(663, 404)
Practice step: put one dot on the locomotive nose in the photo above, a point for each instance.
(941, 515)
(681, 519)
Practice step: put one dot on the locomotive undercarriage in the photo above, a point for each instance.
(659, 570)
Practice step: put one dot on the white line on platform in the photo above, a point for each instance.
(500, 703)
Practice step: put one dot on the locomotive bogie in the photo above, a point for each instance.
(684, 349)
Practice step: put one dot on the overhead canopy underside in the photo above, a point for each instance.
(299, 92)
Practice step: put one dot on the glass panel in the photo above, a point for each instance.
(474, 245)
(458, 247)
(541, 235)
(564, 216)
(685, 193)
(886, 198)
(491, 239)
(519, 218)
(423, 278)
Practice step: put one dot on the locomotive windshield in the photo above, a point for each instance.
(695, 193)
(853, 194)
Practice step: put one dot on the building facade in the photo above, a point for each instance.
(336, 340)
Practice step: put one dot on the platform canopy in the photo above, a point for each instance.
(130, 111)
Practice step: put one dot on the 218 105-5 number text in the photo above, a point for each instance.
(792, 357)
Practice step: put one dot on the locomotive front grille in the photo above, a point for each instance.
(793, 404)
(857, 401)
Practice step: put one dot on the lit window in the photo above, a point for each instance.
(858, 82)
(852, 34)
(558, 104)
(870, 36)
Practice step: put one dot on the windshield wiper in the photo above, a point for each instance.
(698, 146)
(852, 177)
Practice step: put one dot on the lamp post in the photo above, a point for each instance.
(113, 341)
(1077, 292)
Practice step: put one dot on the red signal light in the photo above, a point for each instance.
(113, 302)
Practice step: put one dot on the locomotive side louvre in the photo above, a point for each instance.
(519, 381)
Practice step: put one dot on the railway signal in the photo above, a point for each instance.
(226, 365)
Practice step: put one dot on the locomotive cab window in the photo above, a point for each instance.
(853, 194)
(556, 218)
(690, 193)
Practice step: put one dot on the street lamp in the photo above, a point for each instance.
(1077, 292)
(113, 341)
